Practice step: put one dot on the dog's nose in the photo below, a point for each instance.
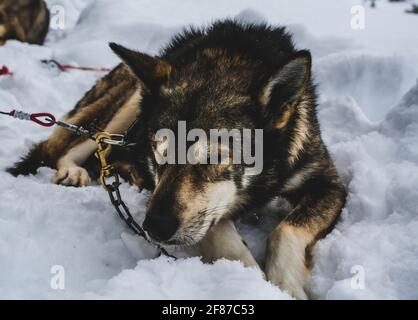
(161, 227)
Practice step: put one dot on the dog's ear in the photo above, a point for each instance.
(289, 82)
(153, 72)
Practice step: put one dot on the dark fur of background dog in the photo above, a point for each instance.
(24, 20)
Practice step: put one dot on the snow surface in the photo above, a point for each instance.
(369, 116)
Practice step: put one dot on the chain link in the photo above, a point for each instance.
(108, 172)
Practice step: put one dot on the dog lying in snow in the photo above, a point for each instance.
(23, 20)
(230, 76)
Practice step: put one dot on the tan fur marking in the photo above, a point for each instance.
(82, 149)
(299, 177)
(3, 30)
(223, 241)
(122, 73)
(69, 171)
(264, 97)
(286, 264)
(203, 207)
(58, 139)
(126, 115)
(170, 90)
(301, 132)
(79, 153)
(187, 194)
(100, 107)
(212, 53)
(284, 119)
(162, 70)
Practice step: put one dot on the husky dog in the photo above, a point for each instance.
(229, 75)
(24, 20)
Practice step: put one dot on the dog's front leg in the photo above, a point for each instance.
(288, 259)
(69, 167)
(223, 241)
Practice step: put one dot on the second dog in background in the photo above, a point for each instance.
(23, 20)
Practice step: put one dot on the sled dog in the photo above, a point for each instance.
(229, 75)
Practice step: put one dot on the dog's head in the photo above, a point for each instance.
(199, 180)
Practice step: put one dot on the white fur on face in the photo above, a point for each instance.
(221, 195)
(204, 210)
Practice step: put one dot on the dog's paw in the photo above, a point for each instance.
(295, 291)
(72, 176)
(287, 282)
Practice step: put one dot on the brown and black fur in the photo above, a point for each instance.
(228, 76)
(23, 20)
(98, 106)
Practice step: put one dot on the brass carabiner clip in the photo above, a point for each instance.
(102, 153)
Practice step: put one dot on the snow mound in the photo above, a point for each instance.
(378, 228)
(188, 279)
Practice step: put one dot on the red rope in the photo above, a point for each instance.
(42, 118)
(5, 71)
(67, 67)
(49, 122)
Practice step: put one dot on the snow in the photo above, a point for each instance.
(369, 116)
